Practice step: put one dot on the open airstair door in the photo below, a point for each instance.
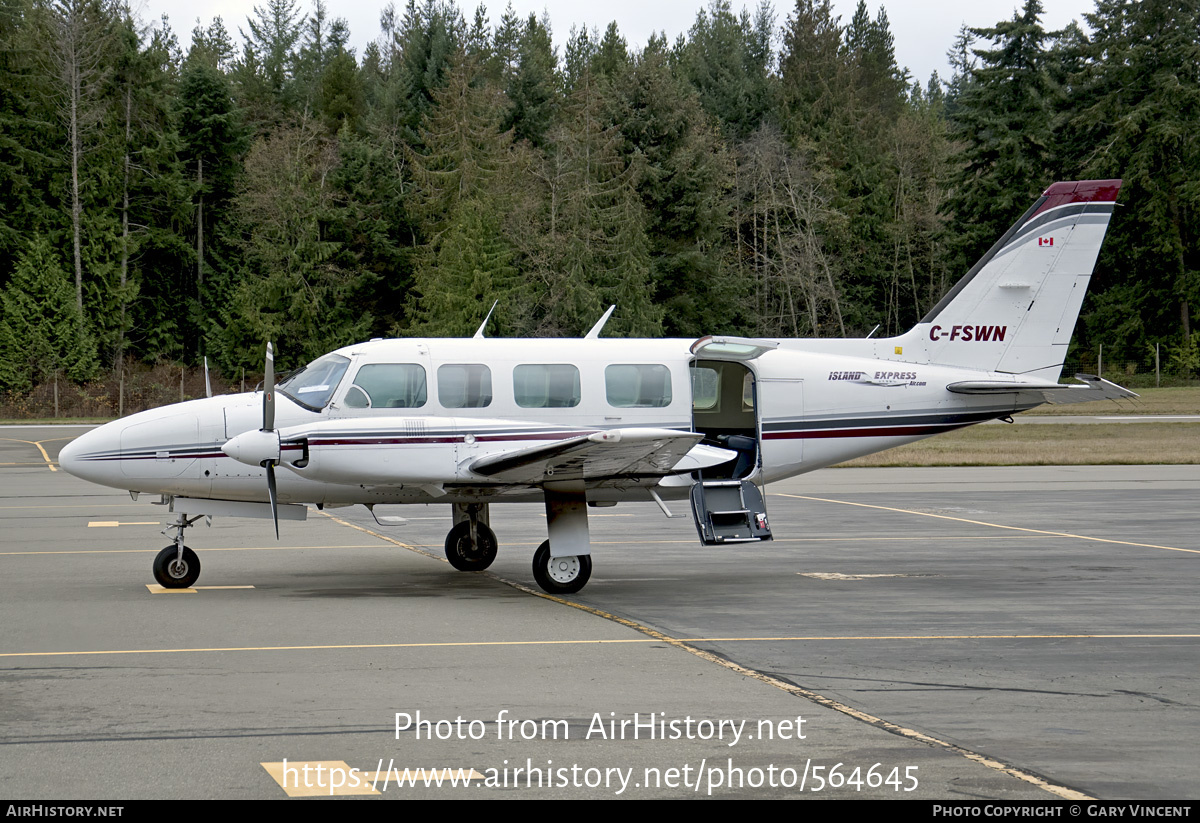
(726, 502)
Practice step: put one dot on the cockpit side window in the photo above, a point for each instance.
(314, 385)
(388, 386)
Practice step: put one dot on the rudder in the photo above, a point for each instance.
(1015, 310)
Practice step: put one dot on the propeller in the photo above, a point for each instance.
(262, 447)
(269, 426)
(207, 382)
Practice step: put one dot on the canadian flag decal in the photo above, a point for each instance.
(1045, 241)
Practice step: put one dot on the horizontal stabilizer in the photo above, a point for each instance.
(611, 453)
(1093, 388)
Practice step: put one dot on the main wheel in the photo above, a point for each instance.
(468, 556)
(176, 574)
(560, 575)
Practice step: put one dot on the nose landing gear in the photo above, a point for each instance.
(177, 566)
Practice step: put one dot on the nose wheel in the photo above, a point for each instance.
(173, 571)
(467, 553)
(560, 575)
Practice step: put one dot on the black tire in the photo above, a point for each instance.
(176, 575)
(560, 575)
(466, 556)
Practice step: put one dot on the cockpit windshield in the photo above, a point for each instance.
(314, 384)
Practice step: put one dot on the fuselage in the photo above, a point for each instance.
(401, 421)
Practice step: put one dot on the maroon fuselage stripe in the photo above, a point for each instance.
(881, 431)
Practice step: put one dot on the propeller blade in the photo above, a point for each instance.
(207, 383)
(274, 496)
(269, 391)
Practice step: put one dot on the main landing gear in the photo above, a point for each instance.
(471, 544)
(176, 566)
(560, 575)
(471, 547)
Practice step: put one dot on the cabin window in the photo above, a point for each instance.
(748, 392)
(638, 387)
(466, 386)
(388, 386)
(546, 386)
(314, 384)
(706, 388)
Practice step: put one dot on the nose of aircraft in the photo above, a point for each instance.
(85, 456)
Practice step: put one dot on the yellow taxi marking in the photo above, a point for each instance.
(658, 638)
(782, 685)
(45, 456)
(323, 778)
(97, 524)
(407, 775)
(156, 551)
(154, 588)
(992, 525)
(838, 576)
(82, 506)
(322, 772)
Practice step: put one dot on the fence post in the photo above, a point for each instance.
(1100, 362)
(56, 392)
(121, 394)
(1157, 375)
(181, 384)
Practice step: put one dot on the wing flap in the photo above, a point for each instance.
(615, 452)
(1092, 388)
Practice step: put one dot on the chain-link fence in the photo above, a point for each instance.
(1161, 366)
(140, 387)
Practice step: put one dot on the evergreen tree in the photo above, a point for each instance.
(39, 324)
(534, 88)
(728, 59)
(292, 285)
(687, 172)
(1002, 120)
(1135, 115)
(593, 249)
(467, 192)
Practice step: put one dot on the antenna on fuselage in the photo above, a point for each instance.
(483, 325)
(595, 332)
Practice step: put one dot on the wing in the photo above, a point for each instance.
(1093, 388)
(612, 453)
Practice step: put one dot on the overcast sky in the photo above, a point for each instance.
(924, 29)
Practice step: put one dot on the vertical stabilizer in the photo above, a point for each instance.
(1015, 310)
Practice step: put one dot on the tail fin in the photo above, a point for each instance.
(1015, 310)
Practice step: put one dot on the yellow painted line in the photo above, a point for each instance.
(45, 456)
(95, 524)
(154, 588)
(657, 638)
(992, 525)
(322, 777)
(156, 551)
(82, 506)
(383, 537)
(292, 780)
(838, 576)
(820, 699)
(407, 775)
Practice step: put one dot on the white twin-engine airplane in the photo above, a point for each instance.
(597, 422)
